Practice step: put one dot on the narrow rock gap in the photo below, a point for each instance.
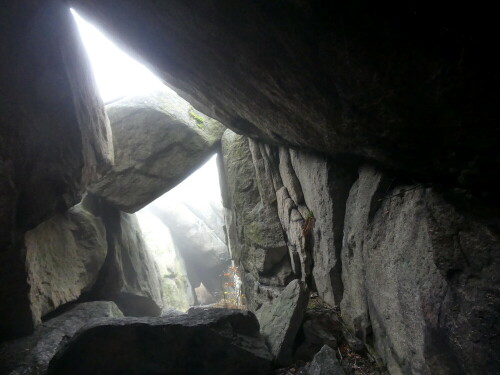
(183, 229)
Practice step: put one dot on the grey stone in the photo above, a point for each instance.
(292, 223)
(130, 275)
(177, 292)
(325, 363)
(54, 137)
(159, 139)
(255, 234)
(361, 204)
(319, 328)
(205, 254)
(325, 187)
(193, 236)
(417, 269)
(30, 355)
(63, 258)
(204, 341)
(280, 320)
(257, 294)
(357, 84)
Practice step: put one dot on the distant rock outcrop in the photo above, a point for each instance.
(177, 292)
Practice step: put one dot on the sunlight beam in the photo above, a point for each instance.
(116, 73)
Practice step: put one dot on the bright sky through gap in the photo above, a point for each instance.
(116, 73)
(201, 188)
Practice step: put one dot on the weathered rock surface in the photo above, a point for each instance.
(177, 292)
(31, 355)
(281, 319)
(255, 234)
(63, 258)
(325, 187)
(363, 202)
(318, 329)
(159, 139)
(409, 86)
(325, 363)
(204, 341)
(130, 274)
(422, 277)
(406, 288)
(54, 136)
(205, 254)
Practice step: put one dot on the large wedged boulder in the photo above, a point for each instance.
(31, 355)
(407, 85)
(54, 136)
(204, 341)
(63, 258)
(159, 139)
(422, 279)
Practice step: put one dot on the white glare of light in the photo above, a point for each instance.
(116, 73)
(200, 187)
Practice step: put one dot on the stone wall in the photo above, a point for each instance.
(54, 137)
(413, 274)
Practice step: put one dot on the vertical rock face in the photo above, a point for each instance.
(362, 203)
(129, 275)
(413, 275)
(32, 354)
(63, 258)
(420, 280)
(284, 217)
(255, 235)
(205, 254)
(325, 187)
(54, 138)
(325, 363)
(303, 196)
(177, 291)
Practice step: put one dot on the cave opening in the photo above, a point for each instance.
(183, 229)
(116, 74)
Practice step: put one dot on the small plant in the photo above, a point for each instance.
(198, 119)
(232, 297)
(308, 225)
